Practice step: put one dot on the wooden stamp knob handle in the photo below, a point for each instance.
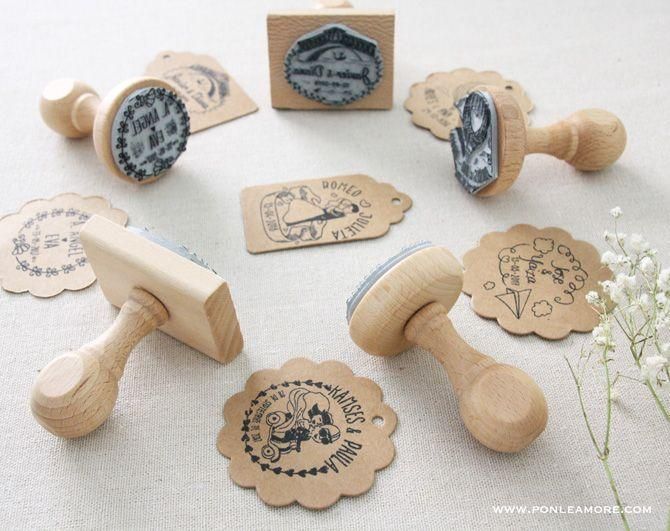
(68, 107)
(76, 392)
(501, 406)
(589, 140)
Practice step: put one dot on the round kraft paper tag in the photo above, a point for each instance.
(307, 433)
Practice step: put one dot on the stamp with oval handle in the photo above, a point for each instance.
(534, 281)
(211, 95)
(139, 129)
(432, 102)
(307, 433)
(319, 211)
(40, 248)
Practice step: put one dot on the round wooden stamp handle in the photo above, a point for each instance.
(76, 392)
(68, 107)
(502, 407)
(589, 140)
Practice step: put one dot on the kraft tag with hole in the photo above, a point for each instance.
(211, 95)
(534, 281)
(431, 102)
(307, 433)
(319, 211)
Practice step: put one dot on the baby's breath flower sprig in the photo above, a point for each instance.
(634, 305)
(638, 301)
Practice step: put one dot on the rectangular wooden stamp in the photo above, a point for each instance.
(331, 58)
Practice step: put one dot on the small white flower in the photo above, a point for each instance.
(616, 212)
(623, 260)
(592, 298)
(609, 258)
(663, 281)
(651, 366)
(647, 266)
(638, 243)
(661, 299)
(610, 237)
(614, 394)
(644, 301)
(621, 237)
(626, 282)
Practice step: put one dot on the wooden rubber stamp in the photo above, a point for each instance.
(490, 146)
(156, 284)
(334, 57)
(405, 301)
(139, 129)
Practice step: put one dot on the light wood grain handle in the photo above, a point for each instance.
(69, 106)
(76, 392)
(501, 406)
(589, 140)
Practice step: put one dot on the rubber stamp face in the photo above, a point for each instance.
(334, 65)
(475, 144)
(149, 132)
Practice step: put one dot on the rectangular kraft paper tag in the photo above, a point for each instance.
(319, 211)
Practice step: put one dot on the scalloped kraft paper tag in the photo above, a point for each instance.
(534, 281)
(431, 102)
(307, 433)
(211, 95)
(40, 250)
(319, 211)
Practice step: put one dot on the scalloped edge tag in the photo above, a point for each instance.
(534, 281)
(307, 433)
(40, 250)
(319, 211)
(432, 102)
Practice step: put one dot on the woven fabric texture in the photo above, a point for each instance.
(154, 463)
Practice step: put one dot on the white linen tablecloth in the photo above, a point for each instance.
(154, 463)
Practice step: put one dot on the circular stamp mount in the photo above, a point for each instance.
(334, 65)
(141, 129)
(40, 249)
(307, 433)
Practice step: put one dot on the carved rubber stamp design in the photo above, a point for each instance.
(306, 433)
(534, 280)
(475, 144)
(203, 89)
(334, 65)
(317, 211)
(150, 131)
(40, 250)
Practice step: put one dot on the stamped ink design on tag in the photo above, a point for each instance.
(475, 144)
(307, 433)
(319, 211)
(334, 65)
(40, 250)
(210, 94)
(432, 102)
(534, 281)
(150, 132)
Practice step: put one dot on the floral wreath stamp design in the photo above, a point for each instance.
(534, 280)
(40, 250)
(307, 433)
(151, 128)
